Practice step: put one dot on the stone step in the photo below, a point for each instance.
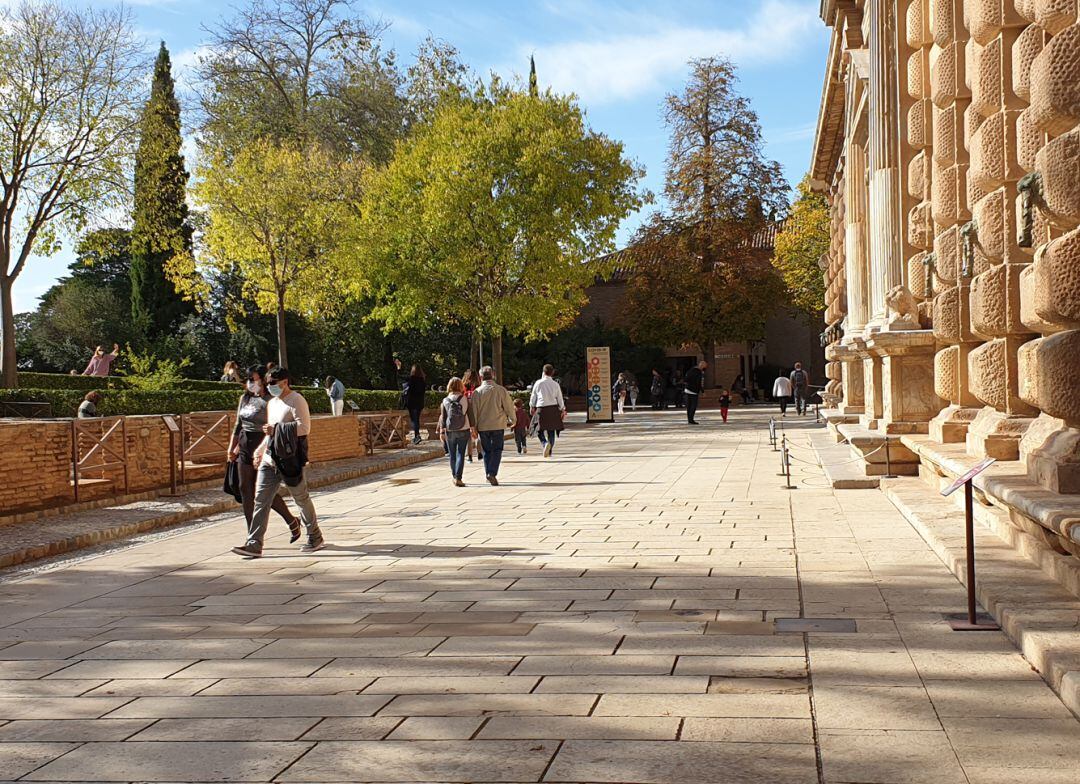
(844, 470)
(1036, 612)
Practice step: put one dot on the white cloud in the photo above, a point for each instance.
(643, 55)
(792, 134)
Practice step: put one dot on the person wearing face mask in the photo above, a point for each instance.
(280, 460)
(246, 437)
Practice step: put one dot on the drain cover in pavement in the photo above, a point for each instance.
(836, 625)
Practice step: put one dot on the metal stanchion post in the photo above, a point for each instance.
(888, 460)
(787, 467)
(772, 433)
(783, 452)
(971, 622)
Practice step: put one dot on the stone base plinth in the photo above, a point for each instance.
(951, 425)
(879, 452)
(1050, 450)
(996, 434)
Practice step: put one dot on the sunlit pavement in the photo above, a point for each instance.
(603, 616)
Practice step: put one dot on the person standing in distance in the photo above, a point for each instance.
(694, 381)
(547, 401)
(336, 391)
(494, 411)
(281, 458)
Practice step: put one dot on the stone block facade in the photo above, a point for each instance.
(949, 148)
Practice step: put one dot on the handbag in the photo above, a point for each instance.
(231, 485)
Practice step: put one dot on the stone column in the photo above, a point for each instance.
(950, 98)
(855, 256)
(994, 259)
(884, 214)
(1049, 366)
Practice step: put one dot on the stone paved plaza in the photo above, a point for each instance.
(605, 616)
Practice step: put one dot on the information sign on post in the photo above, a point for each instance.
(598, 386)
(970, 622)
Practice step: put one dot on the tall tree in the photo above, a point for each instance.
(487, 215)
(301, 72)
(800, 246)
(695, 275)
(69, 86)
(161, 231)
(277, 215)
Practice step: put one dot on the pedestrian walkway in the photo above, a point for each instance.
(633, 610)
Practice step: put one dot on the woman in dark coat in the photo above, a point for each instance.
(415, 386)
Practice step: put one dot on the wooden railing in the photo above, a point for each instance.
(22, 410)
(97, 447)
(204, 440)
(387, 430)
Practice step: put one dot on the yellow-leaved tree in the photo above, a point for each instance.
(276, 214)
(799, 248)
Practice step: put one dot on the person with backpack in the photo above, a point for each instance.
(457, 427)
(800, 385)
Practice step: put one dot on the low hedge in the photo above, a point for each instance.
(30, 380)
(65, 402)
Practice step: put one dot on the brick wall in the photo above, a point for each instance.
(35, 456)
(35, 461)
(334, 438)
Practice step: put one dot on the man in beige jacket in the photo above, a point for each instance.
(494, 411)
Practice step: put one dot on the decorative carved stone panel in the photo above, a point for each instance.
(920, 124)
(1050, 288)
(918, 182)
(1024, 51)
(947, 373)
(1054, 15)
(986, 18)
(947, 78)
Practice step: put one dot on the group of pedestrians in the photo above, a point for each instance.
(794, 386)
(482, 414)
(269, 449)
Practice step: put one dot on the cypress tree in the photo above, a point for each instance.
(161, 230)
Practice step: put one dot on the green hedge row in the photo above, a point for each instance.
(65, 402)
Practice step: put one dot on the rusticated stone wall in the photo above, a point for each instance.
(988, 93)
(1048, 74)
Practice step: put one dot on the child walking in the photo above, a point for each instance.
(725, 403)
(521, 428)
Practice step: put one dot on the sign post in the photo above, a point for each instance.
(598, 406)
(971, 623)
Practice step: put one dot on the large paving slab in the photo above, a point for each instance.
(608, 615)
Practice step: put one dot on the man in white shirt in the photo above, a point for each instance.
(781, 392)
(547, 401)
(281, 459)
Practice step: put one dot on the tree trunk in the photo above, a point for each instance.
(390, 371)
(474, 352)
(282, 350)
(709, 349)
(8, 368)
(497, 357)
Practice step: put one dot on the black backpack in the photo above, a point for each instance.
(798, 378)
(455, 414)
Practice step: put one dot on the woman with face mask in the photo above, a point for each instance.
(246, 437)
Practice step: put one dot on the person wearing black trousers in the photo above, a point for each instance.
(694, 382)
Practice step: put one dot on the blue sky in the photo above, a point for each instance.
(620, 56)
